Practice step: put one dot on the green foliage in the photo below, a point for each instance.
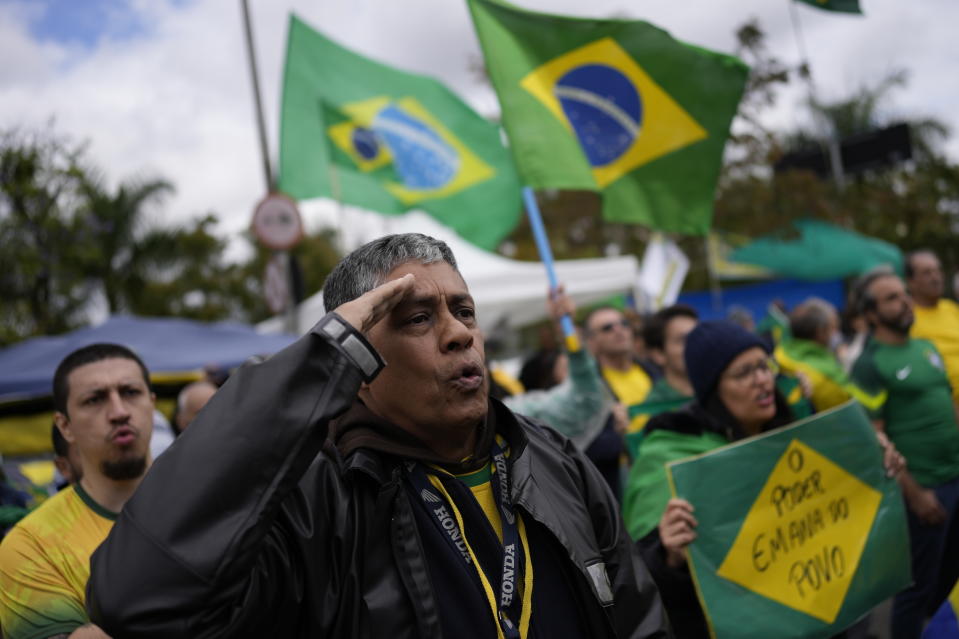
(69, 238)
(316, 254)
(41, 284)
(121, 250)
(912, 205)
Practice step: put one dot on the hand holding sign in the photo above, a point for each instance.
(800, 530)
(677, 530)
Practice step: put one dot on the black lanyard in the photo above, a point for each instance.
(508, 606)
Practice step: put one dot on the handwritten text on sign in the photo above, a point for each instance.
(803, 537)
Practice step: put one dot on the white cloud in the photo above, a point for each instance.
(177, 101)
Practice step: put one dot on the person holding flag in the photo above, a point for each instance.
(734, 379)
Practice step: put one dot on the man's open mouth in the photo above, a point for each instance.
(123, 436)
(469, 378)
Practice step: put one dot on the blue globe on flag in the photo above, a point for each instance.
(421, 157)
(603, 107)
(365, 143)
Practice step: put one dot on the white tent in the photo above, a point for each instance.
(508, 293)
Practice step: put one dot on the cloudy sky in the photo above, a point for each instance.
(161, 87)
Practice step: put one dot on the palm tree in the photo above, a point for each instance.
(866, 109)
(123, 248)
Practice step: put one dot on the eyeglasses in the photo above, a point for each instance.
(747, 373)
(609, 326)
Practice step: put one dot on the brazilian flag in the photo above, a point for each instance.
(800, 532)
(389, 141)
(841, 6)
(945, 623)
(613, 106)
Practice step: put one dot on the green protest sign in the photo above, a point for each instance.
(800, 531)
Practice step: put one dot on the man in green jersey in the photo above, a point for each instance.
(903, 384)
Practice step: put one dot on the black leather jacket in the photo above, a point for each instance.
(248, 526)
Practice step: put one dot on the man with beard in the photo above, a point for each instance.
(903, 384)
(104, 410)
(361, 483)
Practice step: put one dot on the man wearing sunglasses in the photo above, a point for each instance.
(609, 336)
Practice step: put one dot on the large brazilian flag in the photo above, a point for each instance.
(390, 141)
(800, 532)
(614, 106)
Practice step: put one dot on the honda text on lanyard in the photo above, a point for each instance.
(508, 607)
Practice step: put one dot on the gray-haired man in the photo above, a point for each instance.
(361, 483)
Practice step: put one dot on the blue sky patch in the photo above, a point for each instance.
(88, 22)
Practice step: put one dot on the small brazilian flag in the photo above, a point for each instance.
(800, 532)
(945, 623)
(842, 6)
(613, 106)
(390, 141)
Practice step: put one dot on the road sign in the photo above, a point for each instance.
(277, 223)
(276, 284)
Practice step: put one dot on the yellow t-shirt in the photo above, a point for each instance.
(630, 387)
(940, 325)
(45, 565)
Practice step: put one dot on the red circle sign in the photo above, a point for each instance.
(277, 223)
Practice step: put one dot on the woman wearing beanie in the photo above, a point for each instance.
(734, 380)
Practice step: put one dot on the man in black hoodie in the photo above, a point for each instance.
(361, 483)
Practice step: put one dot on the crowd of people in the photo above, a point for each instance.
(376, 478)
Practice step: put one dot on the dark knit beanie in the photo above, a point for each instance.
(710, 347)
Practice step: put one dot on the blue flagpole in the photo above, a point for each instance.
(546, 255)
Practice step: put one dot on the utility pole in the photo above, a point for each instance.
(830, 135)
(283, 255)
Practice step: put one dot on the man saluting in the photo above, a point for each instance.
(361, 483)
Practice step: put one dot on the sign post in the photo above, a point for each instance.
(278, 226)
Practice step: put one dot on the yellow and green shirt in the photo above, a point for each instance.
(830, 384)
(905, 385)
(45, 564)
(630, 387)
(940, 325)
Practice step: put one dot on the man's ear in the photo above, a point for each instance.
(63, 425)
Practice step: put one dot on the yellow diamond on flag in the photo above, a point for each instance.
(430, 160)
(802, 540)
(620, 115)
(344, 134)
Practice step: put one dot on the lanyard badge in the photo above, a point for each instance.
(509, 610)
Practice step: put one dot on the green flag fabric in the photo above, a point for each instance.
(613, 106)
(390, 141)
(815, 250)
(842, 6)
(799, 531)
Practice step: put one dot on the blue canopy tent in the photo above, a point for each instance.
(174, 350)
